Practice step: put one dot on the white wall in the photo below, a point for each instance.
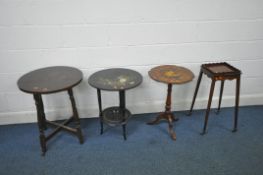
(138, 34)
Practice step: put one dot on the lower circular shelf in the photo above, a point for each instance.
(115, 115)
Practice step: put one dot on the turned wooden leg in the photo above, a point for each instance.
(168, 99)
(196, 91)
(43, 116)
(167, 115)
(40, 121)
(208, 105)
(220, 96)
(75, 116)
(237, 103)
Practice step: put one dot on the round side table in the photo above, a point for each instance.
(116, 79)
(169, 74)
(47, 81)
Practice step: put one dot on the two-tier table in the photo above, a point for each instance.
(116, 79)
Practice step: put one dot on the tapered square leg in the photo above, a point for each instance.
(220, 96)
(237, 104)
(195, 93)
(208, 106)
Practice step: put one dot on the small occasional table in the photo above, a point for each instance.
(116, 79)
(218, 72)
(47, 81)
(169, 74)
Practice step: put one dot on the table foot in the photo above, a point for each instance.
(234, 130)
(217, 112)
(203, 133)
(172, 134)
(43, 144)
(189, 113)
(79, 134)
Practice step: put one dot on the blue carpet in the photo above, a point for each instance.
(147, 151)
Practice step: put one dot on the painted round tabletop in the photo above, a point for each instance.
(115, 79)
(50, 80)
(171, 74)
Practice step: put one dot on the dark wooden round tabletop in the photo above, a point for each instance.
(50, 80)
(171, 74)
(115, 79)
